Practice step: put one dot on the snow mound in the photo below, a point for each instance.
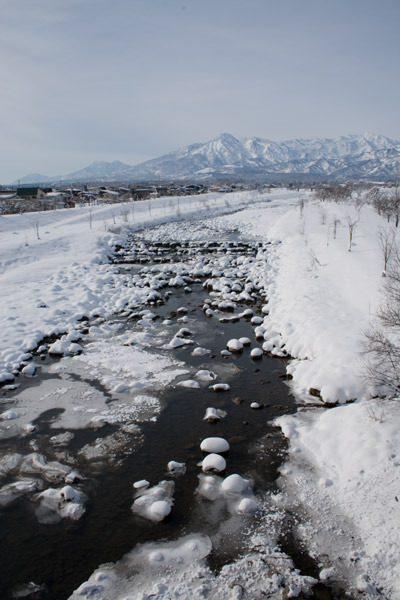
(235, 484)
(154, 503)
(204, 375)
(135, 573)
(213, 462)
(9, 415)
(199, 351)
(189, 383)
(220, 387)
(234, 345)
(214, 445)
(57, 504)
(214, 414)
(256, 353)
(176, 468)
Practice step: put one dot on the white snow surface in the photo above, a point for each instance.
(344, 462)
(214, 444)
(352, 455)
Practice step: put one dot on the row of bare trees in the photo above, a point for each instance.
(386, 202)
(382, 339)
(381, 347)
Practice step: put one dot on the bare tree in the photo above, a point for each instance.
(386, 240)
(35, 224)
(314, 260)
(125, 214)
(301, 207)
(90, 217)
(351, 224)
(382, 340)
(335, 224)
(387, 203)
(395, 203)
(334, 192)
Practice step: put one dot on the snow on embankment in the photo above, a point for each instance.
(321, 296)
(344, 468)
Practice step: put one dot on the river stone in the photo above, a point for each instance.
(213, 462)
(247, 506)
(234, 484)
(214, 444)
(234, 345)
(159, 509)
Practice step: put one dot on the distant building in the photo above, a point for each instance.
(33, 193)
(141, 193)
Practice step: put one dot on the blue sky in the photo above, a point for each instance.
(129, 80)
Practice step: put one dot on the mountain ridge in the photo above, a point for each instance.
(366, 156)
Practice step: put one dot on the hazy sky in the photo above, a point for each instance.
(129, 80)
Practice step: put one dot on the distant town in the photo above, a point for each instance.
(30, 198)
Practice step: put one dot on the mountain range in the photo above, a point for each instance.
(351, 157)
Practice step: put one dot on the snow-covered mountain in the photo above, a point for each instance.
(32, 178)
(351, 157)
(365, 156)
(99, 170)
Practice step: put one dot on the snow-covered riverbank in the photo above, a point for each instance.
(54, 265)
(343, 474)
(343, 465)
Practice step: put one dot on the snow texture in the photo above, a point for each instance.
(342, 474)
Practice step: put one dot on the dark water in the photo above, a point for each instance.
(62, 556)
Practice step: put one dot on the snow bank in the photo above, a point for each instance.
(140, 571)
(348, 459)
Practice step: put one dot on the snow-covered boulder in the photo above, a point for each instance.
(213, 414)
(255, 405)
(200, 351)
(213, 462)
(8, 415)
(234, 345)
(29, 370)
(176, 468)
(154, 503)
(57, 504)
(220, 387)
(189, 383)
(235, 484)
(247, 506)
(205, 375)
(214, 444)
